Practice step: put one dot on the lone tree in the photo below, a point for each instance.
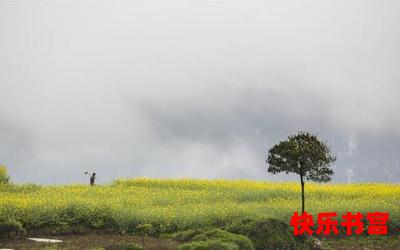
(304, 155)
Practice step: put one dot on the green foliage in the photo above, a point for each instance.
(71, 229)
(11, 228)
(145, 228)
(187, 235)
(393, 227)
(26, 188)
(200, 239)
(269, 234)
(4, 177)
(209, 245)
(304, 155)
(217, 234)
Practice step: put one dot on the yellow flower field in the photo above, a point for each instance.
(173, 205)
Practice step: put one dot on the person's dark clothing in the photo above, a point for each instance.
(92, 179)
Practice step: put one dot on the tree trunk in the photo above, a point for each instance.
(302, 194)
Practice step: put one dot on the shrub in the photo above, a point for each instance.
(11, 228)
(268, 234)
(217, 234)
(188, 235)
(213, 239)
(209, 245)
(393, 227)
(4, 177)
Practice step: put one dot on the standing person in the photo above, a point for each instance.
(92, 179)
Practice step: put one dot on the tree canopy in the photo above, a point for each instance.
(304, 155)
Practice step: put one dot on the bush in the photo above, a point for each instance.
(188, 235)
(268, 234)
(11, 228)
(213, 239)
(4, 177)
(217, 234)
(393, 227)
(209, 245)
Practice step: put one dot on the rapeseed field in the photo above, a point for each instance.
(173, 205)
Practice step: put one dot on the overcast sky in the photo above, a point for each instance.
(196, 89)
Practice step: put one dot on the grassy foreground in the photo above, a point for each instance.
(174, 205)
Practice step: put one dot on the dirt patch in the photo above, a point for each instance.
(90, 241)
